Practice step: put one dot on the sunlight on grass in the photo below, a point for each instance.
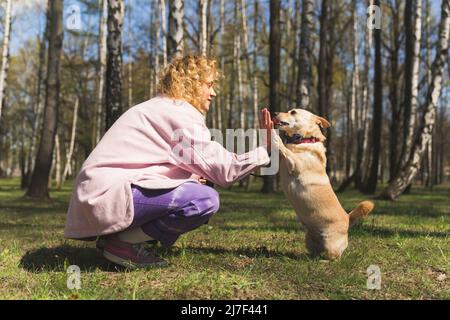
(253, 248)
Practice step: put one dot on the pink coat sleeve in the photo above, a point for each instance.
(193, 151)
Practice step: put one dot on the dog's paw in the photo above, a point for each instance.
(276, 141)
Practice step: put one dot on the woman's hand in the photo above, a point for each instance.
(202, 180)
(266, 123)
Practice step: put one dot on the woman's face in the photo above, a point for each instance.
(207, 94)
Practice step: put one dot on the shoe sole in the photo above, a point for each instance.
(130, 264)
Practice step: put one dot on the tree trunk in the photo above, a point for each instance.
(67, 168)
(176, 13)
(409, 171)
(5, 53)
(203, 4)
(221, 112)
(164, 30)
(102, 55)
(38, 105)
(363, 122)
(354, 96)
(377, 114)
(394, 92)
(114, 62)
(413, 33)
(57, 163)
(304, 55)
(274, 73)
(39, 182)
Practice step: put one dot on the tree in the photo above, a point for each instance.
(304, 55)
(102, 56)
(372, 180)
(39, 181)
(203, 34)
(176, 13)
(5, 54)
(427, 120)
(412, 51)
(114, 62)
(274, 73)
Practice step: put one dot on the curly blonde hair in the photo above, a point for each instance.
(183, 78)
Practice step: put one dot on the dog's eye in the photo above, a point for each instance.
(292, 112)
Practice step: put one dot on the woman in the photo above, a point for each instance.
(142, 183)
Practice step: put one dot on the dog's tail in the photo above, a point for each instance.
(361, 211)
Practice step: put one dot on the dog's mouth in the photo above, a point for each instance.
(277, 123)
(299, 139)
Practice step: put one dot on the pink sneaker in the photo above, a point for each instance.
(130, 255)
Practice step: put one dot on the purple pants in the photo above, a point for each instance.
(165, 214)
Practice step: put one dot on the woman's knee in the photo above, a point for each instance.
(205, 199)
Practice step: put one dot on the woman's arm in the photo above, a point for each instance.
(194, 151)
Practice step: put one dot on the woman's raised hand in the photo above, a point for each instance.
(266, 123)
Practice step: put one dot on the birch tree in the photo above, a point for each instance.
(427, 120)
(176, 31)
(5, 53)
(113, 92)
(68, 166)
(413, 9)
(102, 55)
(162, 7)
(304, 54)
(203, 8)
(372, 180)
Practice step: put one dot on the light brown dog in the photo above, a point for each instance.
(307, 187)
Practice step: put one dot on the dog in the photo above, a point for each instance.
(307, 187)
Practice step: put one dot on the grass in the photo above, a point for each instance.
(253, 248)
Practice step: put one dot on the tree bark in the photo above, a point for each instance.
(377, 114)
(68, 166)
(304, 55)
(39, 181)
(274, 73)
(5, 53)
(176, 13)
(114, 62)
(102, 56)
(412, 56)
(394, 92)
(203, 4)
(409, 171)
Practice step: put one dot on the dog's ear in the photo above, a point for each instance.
(322, 122)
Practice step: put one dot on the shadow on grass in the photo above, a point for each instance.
(406, 210)
(256, 252)
(388, 233)
(89, 259)
(59, 258)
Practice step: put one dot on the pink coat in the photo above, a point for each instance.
(147, 147)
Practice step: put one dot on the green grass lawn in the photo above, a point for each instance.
(253, 248)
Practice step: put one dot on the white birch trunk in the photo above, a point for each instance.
(415, 77)
(164, 30)
(176, 30)
(5, 53)
(57, 162)
(428, 119)
(203, 27)
(68, 167)
(101, 75)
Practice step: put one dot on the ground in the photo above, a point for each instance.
(253, 248)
